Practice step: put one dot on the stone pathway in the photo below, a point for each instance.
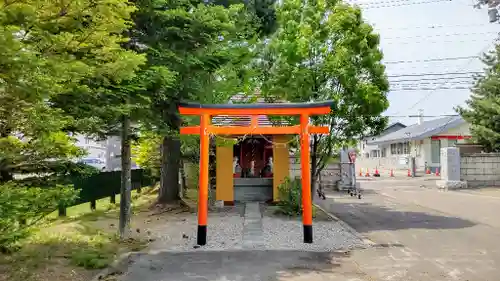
(253, 235)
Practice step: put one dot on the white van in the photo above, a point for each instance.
(94, 162)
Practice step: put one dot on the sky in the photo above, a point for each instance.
(416, 30)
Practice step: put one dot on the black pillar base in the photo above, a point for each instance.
(308, 234)
(201, 238)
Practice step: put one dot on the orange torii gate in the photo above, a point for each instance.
(206, 111)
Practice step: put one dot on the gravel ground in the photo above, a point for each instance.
(287, 234)
(225, 232)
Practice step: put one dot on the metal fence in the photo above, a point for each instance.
(105, 184)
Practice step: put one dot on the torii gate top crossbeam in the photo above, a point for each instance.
(312, 108)
(304, 109)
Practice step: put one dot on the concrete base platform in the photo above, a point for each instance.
(447, 184)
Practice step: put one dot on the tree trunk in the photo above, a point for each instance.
(5, 176)
(126, 180)
(183, 179)
(163, 170)
(314, 166)
(169, 170)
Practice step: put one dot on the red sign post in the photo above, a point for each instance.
(352, 156)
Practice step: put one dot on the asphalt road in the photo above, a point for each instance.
(422, 233)
(244, 265)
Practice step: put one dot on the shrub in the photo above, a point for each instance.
(21, 207)
(290, 197)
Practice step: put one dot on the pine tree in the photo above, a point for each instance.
(194, 41)
(483, 110)
(47, 49)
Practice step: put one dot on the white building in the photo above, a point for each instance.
(113, 153)
(422, 140)
(108, 150)
(95, 149)
(368, 150)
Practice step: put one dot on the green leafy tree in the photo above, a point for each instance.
(194, 40)
(83, 79)
(323, 50)
(261, 13)
(30, 138)
(49, 48)
(483, 110)
(147, 153)
(22, 207)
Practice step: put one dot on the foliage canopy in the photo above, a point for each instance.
(324, 50)
(483, 111)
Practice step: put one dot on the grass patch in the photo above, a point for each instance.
(103, 205)
(67, 251)
(276, 211)
(75, 247)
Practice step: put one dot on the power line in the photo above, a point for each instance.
(457, 88)
(432, 79)
(431, 84)
(435, 42)
(431, 60)
(379, 2)
(423, 116)
(440, 35)
(437, 26)
(423, 87)
(417, 68)
(428, 89)
(368, 6)
(352, 2)
(434, 74)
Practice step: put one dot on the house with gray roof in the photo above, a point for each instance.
(367, 149)
(422, 140)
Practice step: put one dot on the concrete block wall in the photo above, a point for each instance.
(329, 175)
(295, 169)
(382, 163)
(480, 169)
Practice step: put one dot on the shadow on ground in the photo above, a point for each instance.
(366, 217)
(246, 265)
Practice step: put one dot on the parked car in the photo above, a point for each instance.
(133, 167)
(94, 162)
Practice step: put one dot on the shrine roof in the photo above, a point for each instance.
(255, 101)
(243, 121)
